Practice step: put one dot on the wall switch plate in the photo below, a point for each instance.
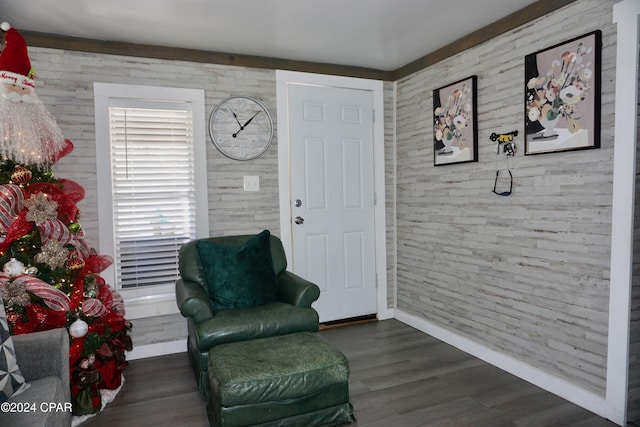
(251, 183)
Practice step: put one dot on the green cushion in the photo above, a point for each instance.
(262, 321)
(275, 369)
(240, 276)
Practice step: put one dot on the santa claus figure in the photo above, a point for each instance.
(29, 134)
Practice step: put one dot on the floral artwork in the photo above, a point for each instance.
(562, 96)
(454, 123)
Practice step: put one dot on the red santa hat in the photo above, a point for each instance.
(14, 57)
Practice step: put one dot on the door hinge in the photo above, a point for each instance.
(373, 116)
(376, 280)
(375, 199)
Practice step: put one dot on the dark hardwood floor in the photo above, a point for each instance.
(400, 377)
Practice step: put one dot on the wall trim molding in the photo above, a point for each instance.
(508, 23)
(79, 44)
(552, 384)
(157, 349)
(544, 380)
(501, 26)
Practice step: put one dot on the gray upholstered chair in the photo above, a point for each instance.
(43, 358)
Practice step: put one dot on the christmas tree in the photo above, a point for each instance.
(50, 275)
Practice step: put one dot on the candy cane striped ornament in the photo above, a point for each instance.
(11, 203)
(54, 229)
(54, 298)
(92, 307)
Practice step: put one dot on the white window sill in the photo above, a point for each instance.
(150, 306)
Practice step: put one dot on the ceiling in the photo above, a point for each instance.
(377, 34)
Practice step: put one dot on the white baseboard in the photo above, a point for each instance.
(544, 380)
(385, 314)
(157, 349)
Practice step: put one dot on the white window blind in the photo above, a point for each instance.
(153, 190)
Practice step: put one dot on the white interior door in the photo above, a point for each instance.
(333, 197)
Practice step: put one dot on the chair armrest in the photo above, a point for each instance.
(43, 354)
(295, 290)
(193, 301)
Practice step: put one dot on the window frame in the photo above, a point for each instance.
(145, 301)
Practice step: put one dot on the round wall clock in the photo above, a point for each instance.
(241, 128)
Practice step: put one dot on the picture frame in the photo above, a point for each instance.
(455, 123)
(562, 96)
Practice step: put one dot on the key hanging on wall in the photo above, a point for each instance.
(505, 144)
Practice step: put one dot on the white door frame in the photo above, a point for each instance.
(626, 14)
(284, 178)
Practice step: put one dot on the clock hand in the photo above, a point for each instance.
(235, 116)
(249, 121)
(235, 135)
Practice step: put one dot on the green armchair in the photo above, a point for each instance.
(209, 326)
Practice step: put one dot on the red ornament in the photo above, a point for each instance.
(43, 318)
(75, 263)
(21, 175)
(110, 373)
(13, 317)
(75, 350)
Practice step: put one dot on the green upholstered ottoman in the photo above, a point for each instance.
(288, 380)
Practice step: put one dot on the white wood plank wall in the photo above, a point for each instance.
(65, 84)
(525, 275)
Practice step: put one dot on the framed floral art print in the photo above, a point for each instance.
(455, 127)
(562, 96)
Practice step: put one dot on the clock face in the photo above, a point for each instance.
(241, 128)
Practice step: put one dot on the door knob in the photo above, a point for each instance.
(298, 203)
(298, 220)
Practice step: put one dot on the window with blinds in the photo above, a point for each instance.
(153, 190)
